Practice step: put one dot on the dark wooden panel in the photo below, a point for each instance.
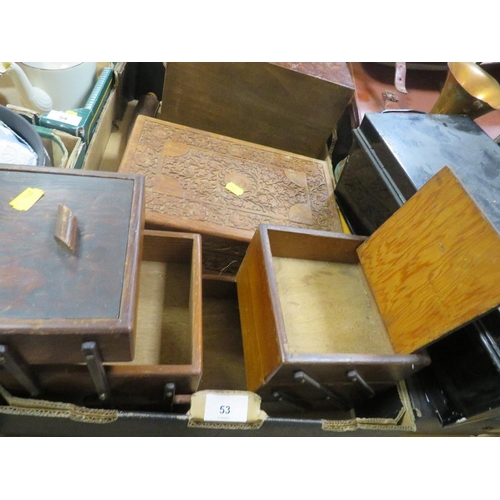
(39, 278)
(288, 106)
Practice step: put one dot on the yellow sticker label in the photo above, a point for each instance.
(231, 186)
(25, 200)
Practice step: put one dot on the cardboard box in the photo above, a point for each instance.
(82, 122)
(223, 375)
(400, 411)
(63, 150)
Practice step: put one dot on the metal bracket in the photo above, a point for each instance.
(96, 369)
(168, 396)
(357, 379)
(284, 397)
(304, 378)
(489, 343)
(17, 367)
(400, 77)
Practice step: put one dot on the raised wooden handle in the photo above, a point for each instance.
(66, 226)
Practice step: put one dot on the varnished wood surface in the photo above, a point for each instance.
(433, 266)
(47, 291)
(259, 328)
(289, 106)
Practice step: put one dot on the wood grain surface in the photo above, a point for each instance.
(328, 308)
(433, 266)
(260, 327)
(289, 106)
(187, 171)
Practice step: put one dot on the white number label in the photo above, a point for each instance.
(226, 408)
(59, 116)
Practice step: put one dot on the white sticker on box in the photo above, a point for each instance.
(226, 408)
(68, 118)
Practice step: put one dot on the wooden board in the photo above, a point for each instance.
(433, 266)
(328, 308)
(223, 362)
(187, 171)
(289, 106)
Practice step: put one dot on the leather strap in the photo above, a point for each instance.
(400, 77)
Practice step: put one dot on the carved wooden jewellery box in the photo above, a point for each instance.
(333, 319)
(223, 188)
(69, 264)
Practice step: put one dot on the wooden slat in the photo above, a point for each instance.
(259, 329)
(433, 266)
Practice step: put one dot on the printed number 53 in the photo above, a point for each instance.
(225, 410)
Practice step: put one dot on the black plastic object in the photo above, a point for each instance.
(395, 153)
(23, 128)
(463, 380)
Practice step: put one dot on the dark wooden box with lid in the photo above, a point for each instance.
(335, 318)
(290, 106)
(187, 176)
(56, 296)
